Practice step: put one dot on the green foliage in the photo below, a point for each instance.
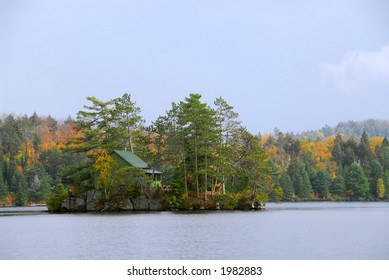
(55, 199)
(386, 183)
(276, 195)
(227, 201)
(380, 188)
(176, 198)
(3, 187)
(352, 129)
(287, 186)
(356, 182)
(321, 183)
(244, 200)
(111, 179)
(338, 188)
(206, 156)
(21, 195)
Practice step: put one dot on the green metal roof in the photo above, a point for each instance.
(131, 158)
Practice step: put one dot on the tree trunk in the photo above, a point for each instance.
(196, 170)
(206, 178)
(185, 178)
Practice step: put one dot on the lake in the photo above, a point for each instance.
(286, 231)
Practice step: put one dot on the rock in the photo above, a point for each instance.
(65, 206)
(155, 205)
(92, 200)
(141, 203)
(73, 204)
(127, 205)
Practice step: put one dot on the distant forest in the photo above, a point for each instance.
(349, 129)
(206, 155)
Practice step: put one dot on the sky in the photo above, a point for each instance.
(292, 65)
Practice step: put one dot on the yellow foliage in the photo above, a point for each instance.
(321, 151)
(265, 137)
(380, 188)
(329, 142)
(306, 146)
(103, 166)
(321, 165)
(374, 141)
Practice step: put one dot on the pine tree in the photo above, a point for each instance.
(306, 190)
(365, 155)
(21, 197)
(356, 182)
(321, 183)
(337, 188)
(287, 186)
(386, 183)
(3, 186)
(338, 150)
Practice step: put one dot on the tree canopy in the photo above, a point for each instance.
(204, 151)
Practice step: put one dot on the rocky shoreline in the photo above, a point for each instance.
(90, 202)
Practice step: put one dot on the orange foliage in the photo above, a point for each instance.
(72, 190)
(47, 139)
(20, 169)
(64, 133)
(9, 200)
(30, 152)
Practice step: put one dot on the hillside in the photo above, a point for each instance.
(351, 128)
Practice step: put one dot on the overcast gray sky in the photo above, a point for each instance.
(296, 65)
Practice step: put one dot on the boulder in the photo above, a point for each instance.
(92, 200)
(127, 205)
(93, 203)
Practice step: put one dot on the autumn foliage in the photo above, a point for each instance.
(204, 152)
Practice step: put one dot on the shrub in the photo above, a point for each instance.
(226, 201)
(55, 199)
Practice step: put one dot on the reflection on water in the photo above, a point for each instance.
(32, 210)
(307, 230)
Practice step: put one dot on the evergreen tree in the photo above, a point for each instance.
(382, 154)
(306, 190)
(365, 154)
(321, 183)
(375, 174)
(21, 197)
(386, 183)
(200, 129)
(3, 186)
(338, 150)
(253, 165)
(356, 182)
(350, 152)
(295, 176)
(287, 186)
(230, 130)
(105, 125)
(128, 121)
(338, 188)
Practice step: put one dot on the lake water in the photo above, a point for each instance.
(308, 230)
